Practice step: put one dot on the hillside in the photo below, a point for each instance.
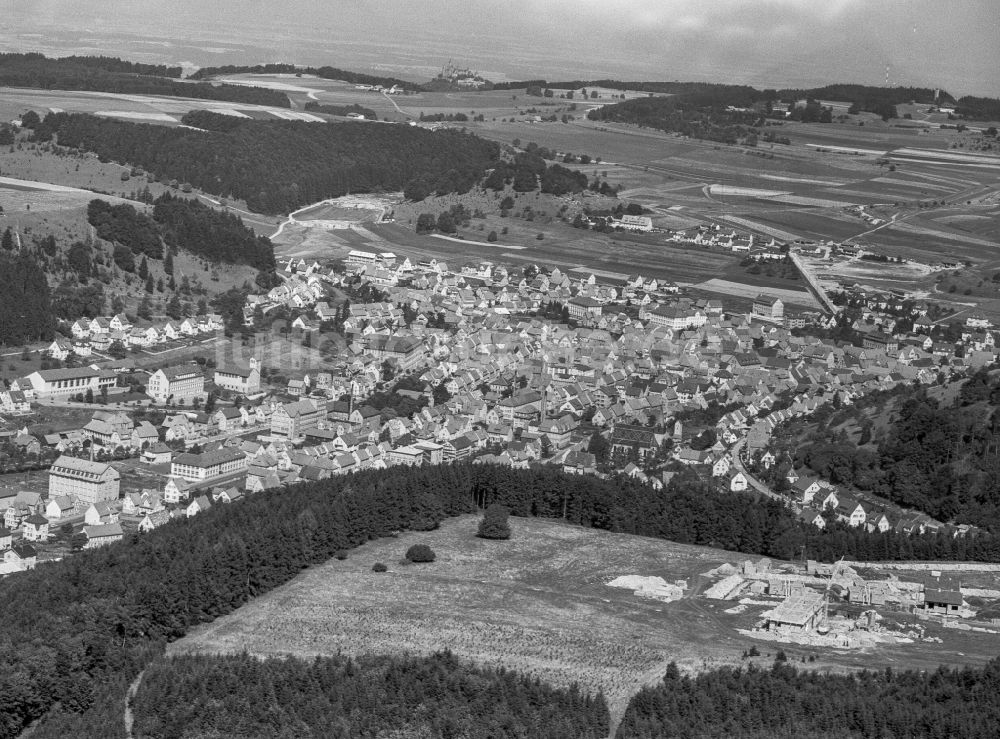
(279, 166)
(145, 591)
(930, 449)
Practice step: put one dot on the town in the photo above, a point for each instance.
(376, 361)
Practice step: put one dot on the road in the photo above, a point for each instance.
(813, 283)
(756, 484)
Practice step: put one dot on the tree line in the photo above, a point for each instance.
(787, 702)
(870, 98)
(107, 74)
(342, 110)
(326, 72)
(700, 117)
(279, 166)
(340, 697)
(76, 631)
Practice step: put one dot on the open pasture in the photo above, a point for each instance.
(537, 603)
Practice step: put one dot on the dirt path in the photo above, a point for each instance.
(129, 695)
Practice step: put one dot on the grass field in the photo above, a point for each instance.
(537, 603)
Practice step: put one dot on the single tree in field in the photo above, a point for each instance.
(494, 524)
(420, 553)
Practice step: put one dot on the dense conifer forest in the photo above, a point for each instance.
(341, 698)
(107, 74)
(278, 166)
(784, 702)
(181, 223)
(77, 631)
(123, 224)
(25, 304)
(218, 236)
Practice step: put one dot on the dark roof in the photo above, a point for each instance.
(947, 597)
(629, 435)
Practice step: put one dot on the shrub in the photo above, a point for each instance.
(341, 554)
(379, 567)
(494, 524)
(420, 553)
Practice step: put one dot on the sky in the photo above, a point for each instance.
(952, 44)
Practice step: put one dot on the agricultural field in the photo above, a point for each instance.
(937, 198)
(538, 603)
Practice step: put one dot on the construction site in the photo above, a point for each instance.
(833, 605)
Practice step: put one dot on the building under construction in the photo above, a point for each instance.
(801, 612)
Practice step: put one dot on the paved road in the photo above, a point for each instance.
(756, 484)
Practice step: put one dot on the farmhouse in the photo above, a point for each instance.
(182, 384)
(87, 482)
(208, 465)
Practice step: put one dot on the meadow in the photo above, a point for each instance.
(538, 603)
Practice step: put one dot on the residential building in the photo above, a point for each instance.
(208, 465)
(180, 385)
(768, 307)
(583, 307)
(86, 481)
(293, 420)
(102, 535)
(35, 528)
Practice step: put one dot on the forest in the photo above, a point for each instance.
(181, 223)
(528, 170)
(186, 223)
(123, 224)
(106, 74)
(279, 166)
(342, 110)
(978, 108)
(698, 115)
(786, 703)
(326, 72)
(25, 303)
(940, 459)
(77, 631)
(341, 698)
